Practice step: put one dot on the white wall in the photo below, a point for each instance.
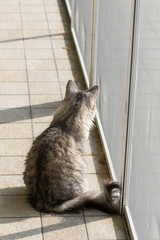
(112, 55)
(112, 63)
(144, 193)
(82, 32)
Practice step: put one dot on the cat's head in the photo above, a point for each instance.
(78, 107)
(82, 103)
(85, 99)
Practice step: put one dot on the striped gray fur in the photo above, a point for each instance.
(55, 172)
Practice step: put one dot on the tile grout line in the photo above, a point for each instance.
(29, 98)
(85, 225)
(41, 226)
(29, 101)
(53, 49)
(26, 70)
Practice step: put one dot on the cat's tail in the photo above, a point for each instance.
(107, 200)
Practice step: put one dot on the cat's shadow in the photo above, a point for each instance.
(23, 113)
(14, 191)
(16, 208)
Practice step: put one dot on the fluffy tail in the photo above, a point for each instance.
(107, 200)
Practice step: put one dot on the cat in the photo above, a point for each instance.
(54, 168)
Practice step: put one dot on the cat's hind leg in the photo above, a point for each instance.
(107, 200)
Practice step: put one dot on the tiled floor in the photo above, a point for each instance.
(37, 58)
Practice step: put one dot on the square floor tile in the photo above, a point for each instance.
(12, 44)
(76, 213)
(95, 181)
(13, 2)
(11, 53)
(58, 34)
(56, 17)
(33, 17)
(14, 17)
(35, 25)
(63, 27)
(65, 54)
(31, 2)
(13, 88)
(94, 212)
(10, 25)
(60, 228)
(16, 206)
(93, 146)
(21, 228)
(40, 40)
(15, 130)
(44, 87)
(38, 128)
(96, 164)
(15, 147)
(33, 53)
(63, 44)
(18, 115)
(12, 165)
(55, 9)
(13, 76)
(12, 185)
(10, 34)
(105, 227)
(13, 101)
(53, 2)
(32, 9)
(43, 76)
(15, 64)
(34, 34)
(10, 9)
(41, 64)
(65, 75)
(43, 115)
(45, 101)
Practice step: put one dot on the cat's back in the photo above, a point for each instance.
(55, 161)
(58, 149)
(58, 140)
(54, 143)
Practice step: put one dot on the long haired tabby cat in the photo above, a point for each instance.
(54, 168)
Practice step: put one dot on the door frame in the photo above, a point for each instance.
(127, 216)
(130, 100)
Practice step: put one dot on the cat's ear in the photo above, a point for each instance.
(93, 90)
(71, 87)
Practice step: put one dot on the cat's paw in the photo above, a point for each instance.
(112, 192)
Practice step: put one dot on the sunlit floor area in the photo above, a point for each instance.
(37, 58)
